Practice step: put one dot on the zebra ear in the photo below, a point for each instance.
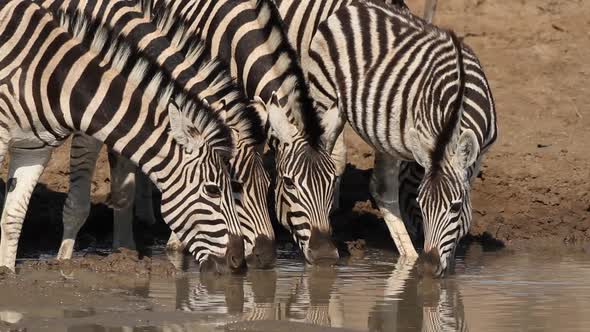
(418, 148)
(219, 108)
(182, 129)
(333, 122)
(282, 129)
(467, 149)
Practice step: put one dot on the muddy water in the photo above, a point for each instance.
(490, 291)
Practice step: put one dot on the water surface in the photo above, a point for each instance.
(489, 291)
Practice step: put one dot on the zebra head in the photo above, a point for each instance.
(304, 188)
(250, 184)
(444, 197)
(197, 200)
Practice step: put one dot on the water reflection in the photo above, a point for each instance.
(364, 295)
(489, 292)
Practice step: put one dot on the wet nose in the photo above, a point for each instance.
(321, 250)
(235, 253)
(429, 264)
(264, 253)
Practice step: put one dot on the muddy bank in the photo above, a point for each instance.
(123, 261)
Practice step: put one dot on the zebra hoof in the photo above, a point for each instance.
(5, 271)
(174, 244)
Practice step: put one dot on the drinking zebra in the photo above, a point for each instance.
(420, 118)
(302, 21)
(209, 80)
(249, 35)
(56, 82)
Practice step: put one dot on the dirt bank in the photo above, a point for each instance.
(534, 183)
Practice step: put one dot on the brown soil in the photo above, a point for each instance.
(124, 261)
(534, 183)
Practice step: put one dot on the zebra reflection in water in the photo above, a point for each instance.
(391, 300)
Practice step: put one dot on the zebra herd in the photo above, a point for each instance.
(191, 92)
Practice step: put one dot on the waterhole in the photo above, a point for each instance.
(489, 291)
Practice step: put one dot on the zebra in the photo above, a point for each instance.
(211, 82)
(420, 119)
(250, 36)
(55, 82)
(479, 109)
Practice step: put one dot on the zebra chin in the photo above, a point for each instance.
(234, 261)
(264, 253)
(321, 249)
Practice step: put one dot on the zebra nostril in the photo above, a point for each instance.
(430, 264)
(235, 262)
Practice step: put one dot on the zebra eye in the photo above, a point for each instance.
(456, 207)
(236, 186)
(212, 191)
(288, 183)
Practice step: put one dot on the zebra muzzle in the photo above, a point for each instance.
(235, 256)
(321, 250)
(429, 264)
(264, 253)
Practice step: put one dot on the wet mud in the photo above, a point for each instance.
(123, 261)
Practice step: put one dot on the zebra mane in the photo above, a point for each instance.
(312, 127)
(446, 135)
(243, 115)
(400, 10)
(114, 51)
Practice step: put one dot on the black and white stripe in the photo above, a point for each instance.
(249, 36)
(84, 81)
(189, 63)
(367, 48)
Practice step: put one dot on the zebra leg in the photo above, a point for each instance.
(174, 243)
(121, 200)
(144, 209)
(339, 156)
(384, 188)
(26, 166)
(83, 155)
(429, 9)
